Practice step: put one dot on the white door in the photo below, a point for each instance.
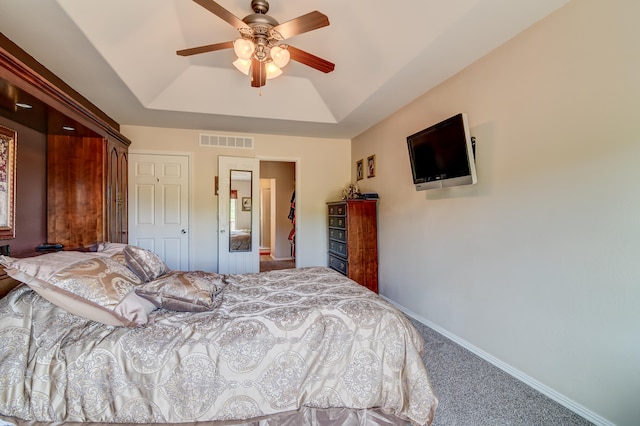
(159, 206)
(233, 259)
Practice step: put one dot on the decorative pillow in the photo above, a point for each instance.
(195, 291)
(144, 263)
(98, 288)
(109, 249)
(45, 266)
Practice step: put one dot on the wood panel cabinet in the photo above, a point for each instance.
(86, 190)
(353, 240)
(86, 153)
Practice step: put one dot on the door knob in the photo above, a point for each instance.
(183, 231)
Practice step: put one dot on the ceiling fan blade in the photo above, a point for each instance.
(258, 73)
(222, 13)
(302, 24)
(204, 49)
(311, 60)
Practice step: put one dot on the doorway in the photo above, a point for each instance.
(278, 214)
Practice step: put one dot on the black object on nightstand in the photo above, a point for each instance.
(50, 247)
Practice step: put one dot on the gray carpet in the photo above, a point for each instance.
(471, 391)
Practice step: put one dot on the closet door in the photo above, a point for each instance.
(159, 186)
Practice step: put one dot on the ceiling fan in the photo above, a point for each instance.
(257, 49)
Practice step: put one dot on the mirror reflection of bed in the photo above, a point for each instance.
(240, 240)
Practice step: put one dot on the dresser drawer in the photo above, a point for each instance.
(337, 222)
(338, 247)
(337, 209)
(337, 234)
(338, 264)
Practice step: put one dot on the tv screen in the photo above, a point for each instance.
(442, 155)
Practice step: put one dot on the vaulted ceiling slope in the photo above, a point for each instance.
(121, 55)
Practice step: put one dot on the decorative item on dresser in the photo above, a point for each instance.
(353, 240)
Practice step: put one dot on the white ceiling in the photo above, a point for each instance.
(120, 54)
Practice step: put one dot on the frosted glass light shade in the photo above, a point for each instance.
(272, 70)
(243, 65)
(280, 56)
(244, 48)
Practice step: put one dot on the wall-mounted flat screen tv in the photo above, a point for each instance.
(442, 155)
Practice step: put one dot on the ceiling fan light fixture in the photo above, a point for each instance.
(280, 56)
(243, 48)
(243, 65)
(272, 70)
(256, 50)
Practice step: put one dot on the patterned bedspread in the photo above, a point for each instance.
(279, 341)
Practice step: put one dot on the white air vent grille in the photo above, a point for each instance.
(225, 141)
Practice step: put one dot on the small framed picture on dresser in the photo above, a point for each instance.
(359, 169)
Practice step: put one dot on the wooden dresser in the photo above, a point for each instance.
(353, 240)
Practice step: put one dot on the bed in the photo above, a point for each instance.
(149, 345)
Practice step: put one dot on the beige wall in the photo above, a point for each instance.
(322, 171)
(537, 264)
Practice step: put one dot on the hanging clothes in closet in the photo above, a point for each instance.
(292, 218)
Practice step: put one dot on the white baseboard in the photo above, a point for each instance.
(543, 389)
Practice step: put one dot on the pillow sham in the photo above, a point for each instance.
(144, 263)
(109, 249)
(45, 266)
(194, 291)
(99, 289)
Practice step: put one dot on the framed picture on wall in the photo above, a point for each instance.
(7, 182)
(359, 169)
(371, 166)
(246, 204)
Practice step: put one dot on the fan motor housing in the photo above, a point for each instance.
(260, 6)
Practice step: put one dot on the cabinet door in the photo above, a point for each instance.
(75, 190)
(117, 166)
(123, 204)
(112, 194)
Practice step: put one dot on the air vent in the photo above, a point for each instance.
(225, 141)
